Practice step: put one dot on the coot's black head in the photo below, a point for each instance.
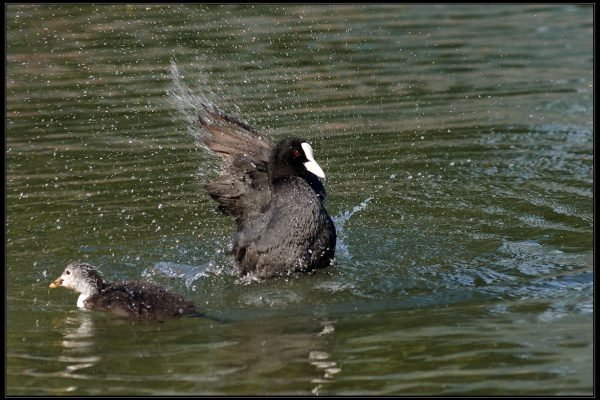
(293, 157)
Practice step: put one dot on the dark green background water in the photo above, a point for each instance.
(461, 136)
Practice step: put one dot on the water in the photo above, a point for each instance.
(457, 143)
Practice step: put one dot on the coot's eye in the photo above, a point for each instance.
(295, 153)
(68, 272)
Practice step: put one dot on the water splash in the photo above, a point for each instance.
(193, 96)
(339, 222)
(189, 273)
(188, 101)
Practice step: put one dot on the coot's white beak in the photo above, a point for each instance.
(311, 165)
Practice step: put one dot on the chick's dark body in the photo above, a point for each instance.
(139, 300)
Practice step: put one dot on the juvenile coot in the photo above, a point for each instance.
(128, 299)
(275, 194)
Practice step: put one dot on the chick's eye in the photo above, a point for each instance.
(295, 153)
(68, 272)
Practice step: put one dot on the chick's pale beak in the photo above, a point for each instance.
(56, 283)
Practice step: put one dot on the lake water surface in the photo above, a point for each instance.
(457, 143)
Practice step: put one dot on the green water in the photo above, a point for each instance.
(457, 143)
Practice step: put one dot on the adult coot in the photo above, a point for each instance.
(128, 299)
(275, 194)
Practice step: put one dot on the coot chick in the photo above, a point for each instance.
(128, 299)
(275, 194)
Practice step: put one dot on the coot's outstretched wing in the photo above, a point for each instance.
(242, 188)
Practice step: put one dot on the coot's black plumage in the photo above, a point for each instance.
(129, 299)
(275, 195)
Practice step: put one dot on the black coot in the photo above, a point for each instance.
(275, 194)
